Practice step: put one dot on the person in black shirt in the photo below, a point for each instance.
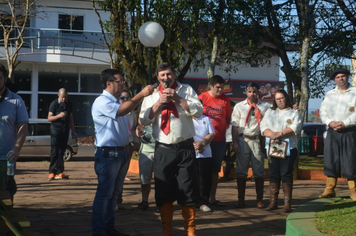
(61, 115)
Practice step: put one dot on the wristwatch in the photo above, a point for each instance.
(203, 143)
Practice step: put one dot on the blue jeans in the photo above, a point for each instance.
(111, 170)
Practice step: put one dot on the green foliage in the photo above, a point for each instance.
(337, 219)
(248, 32)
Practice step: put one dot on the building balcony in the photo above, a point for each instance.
(58, 38)
(59, 44)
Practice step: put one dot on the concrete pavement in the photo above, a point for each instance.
(63, 207)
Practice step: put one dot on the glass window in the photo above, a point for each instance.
(43, 129)
(70, 22)
(27, 99)
(90, 83)
(23, 80)
(31, 129)
(44, 100)
(49, 81)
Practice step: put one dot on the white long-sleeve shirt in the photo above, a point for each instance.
(339, 106)
(278, 120)
(239, 114)
(181, 128)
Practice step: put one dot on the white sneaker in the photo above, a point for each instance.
(205, 208)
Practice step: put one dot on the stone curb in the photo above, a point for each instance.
(300, 222)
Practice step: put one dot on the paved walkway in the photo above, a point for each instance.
(63, 207)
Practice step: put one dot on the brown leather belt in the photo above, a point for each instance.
(253, 137)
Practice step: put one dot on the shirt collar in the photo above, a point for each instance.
(347, 90)
(110, 96)
(258, 102)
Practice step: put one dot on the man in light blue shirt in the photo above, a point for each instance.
(13, 130)
(111, 158)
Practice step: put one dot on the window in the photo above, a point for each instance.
(90, 83)
(51, 81)
(73, 23)
(43, 129)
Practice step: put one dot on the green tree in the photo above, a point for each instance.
(14, 18)
(180, 22)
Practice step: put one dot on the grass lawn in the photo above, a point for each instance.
(337, 219)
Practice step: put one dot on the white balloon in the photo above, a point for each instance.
(151, 34)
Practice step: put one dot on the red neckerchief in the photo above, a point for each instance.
(167, 111)
(258, 114)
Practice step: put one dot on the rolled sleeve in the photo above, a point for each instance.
(296, 123)
(195, 106)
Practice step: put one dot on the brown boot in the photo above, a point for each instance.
(166, 212)
(352, 187)
(330, 187)
(241, 188)
(188, 213)
(287, 190)
(273, 191)
(259, 184)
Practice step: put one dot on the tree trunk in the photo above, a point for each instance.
(214, 52)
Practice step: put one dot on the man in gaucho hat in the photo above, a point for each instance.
(338, 111)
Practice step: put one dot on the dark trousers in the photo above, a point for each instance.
(175, 175)
(340, 153)
(282, 169)
(130, 150)
(59, 140)
(204, 169)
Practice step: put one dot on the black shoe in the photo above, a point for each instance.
(115, 233)
(143, 206)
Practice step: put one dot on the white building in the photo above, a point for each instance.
(66, 49)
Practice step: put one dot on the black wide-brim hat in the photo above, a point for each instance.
(339, 71)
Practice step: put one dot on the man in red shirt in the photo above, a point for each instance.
(217, 107)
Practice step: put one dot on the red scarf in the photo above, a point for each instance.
(258, 114)
(167, 111)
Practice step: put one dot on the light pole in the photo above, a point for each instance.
(150, 34)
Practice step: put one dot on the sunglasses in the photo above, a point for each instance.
(124, 98)
(252, 111)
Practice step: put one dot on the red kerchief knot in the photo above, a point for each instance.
(258, 114)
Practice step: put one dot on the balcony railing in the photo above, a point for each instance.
(61, 39)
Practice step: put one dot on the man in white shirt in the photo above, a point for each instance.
(338, 111)
(246, 135)
(170, 109)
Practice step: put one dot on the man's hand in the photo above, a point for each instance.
(337, 125)
(13, 155)
(236, 147)
(62, 114)
(167, 95)
(148, 90)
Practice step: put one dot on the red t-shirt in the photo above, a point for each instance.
(218, 109)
